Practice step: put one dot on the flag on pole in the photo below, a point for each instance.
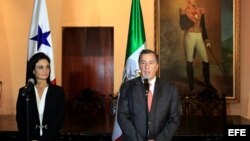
(136, 41)
(135, 44)
(40, 37)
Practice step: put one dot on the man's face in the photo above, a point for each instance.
(148, 66)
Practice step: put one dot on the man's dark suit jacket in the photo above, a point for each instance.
(163, 117)
(53, 114)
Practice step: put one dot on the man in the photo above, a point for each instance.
(192, 21)
(163, 114)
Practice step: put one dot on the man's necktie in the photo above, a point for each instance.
(150, 98)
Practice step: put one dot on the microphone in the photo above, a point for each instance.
(29, 83)
(146, 85)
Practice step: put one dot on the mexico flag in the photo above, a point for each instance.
(135, 44)
(40, 37)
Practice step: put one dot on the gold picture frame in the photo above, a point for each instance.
(224, 56)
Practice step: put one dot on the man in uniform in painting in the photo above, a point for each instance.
(192, 21)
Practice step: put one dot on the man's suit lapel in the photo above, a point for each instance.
(140, 91)
(156, 95)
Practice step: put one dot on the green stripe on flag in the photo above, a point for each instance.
(136, 35)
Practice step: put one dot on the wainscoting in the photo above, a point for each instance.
(90, 117)
(99, 128)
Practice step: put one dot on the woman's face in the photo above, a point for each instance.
(42, 70)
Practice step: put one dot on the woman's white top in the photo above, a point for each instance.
(40, 106)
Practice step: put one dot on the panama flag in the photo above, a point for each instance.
(135, 44)
(40, 37)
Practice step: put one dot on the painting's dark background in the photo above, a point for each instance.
(227, 36)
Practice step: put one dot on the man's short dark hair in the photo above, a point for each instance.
(148, 51)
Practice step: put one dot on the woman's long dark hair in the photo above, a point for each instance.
(32, 64)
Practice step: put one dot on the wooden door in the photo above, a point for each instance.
(87, 60)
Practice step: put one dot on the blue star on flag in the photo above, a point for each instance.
(41, 38)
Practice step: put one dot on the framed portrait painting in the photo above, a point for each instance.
(198, 45)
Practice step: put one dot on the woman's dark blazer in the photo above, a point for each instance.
(53, 117)
(163, 117)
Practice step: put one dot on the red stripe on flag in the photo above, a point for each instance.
(53, 81)
(119, 139)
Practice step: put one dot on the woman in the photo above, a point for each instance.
(45, 114)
